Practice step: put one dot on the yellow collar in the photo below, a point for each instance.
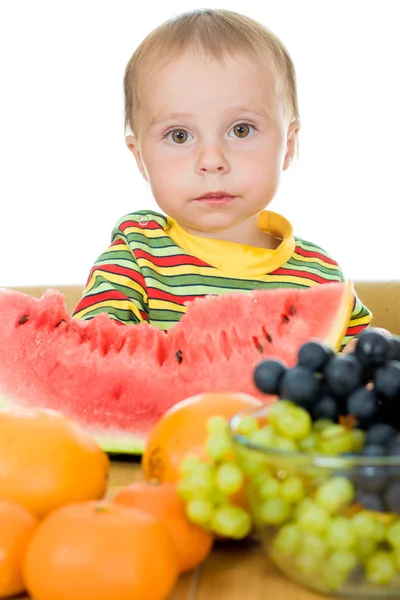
(239, 260)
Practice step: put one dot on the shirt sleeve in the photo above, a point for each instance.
(360, 319)
(115, 285)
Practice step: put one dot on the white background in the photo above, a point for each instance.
(66, 175)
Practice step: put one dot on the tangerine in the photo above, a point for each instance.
(100, 551)
(47, 460)
(182, 431)
(16, 528)
(161, 500)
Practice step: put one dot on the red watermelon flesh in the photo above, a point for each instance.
(117, 381)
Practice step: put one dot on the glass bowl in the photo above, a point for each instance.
(310, 514)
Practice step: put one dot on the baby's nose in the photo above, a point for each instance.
(212, 160)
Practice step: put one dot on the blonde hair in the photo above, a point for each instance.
(215, 32)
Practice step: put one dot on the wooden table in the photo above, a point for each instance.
(235, 571)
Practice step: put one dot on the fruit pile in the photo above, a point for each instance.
(316, 472)
(320, 467)
(55, 519)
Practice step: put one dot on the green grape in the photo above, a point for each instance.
(364, 525)
(218, 446)
(379, 534)
(217, 424)
(303, 507)
(335, 439)
(396, 556)
(364, 547)
(287, 540)
(309, 443)
(218, 498)
(282, 443)
(274, 511)
(358, 438)
(231, 522)
(321, 424)
(332, 577)
(259, 479)
(343, 561)
(335, 493)
(229, 478)
(294, 423)
(253, 466)
(268, 488)
(276, 409)
(292, 490)
(246, 425)
(380, 568)
(340, 535)
(199, 511)
(189, 464)
(263, 437)
(313, 518)
(184, 490)
(306, 564)
(393, 535)
(198, 484)
(313, 544)
(251, 463)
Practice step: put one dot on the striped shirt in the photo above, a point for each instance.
(153, 268)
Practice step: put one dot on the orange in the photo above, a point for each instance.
(182, 431)
(47, 460)
(100, 551)
(193, 543)
(16, 528)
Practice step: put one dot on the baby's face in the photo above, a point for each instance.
(206, 127)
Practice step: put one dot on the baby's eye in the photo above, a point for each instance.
(242, 130)
(178, 136)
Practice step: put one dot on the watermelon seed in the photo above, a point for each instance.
(208, 347)
(225, 345)
(179, 356)
(257, 344)
(292, 310)
(285, 319)
(266, 335)
(59, 322)
(23, 319)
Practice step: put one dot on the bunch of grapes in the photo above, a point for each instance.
(212, 488)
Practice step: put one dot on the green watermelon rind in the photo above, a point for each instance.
(109, 443)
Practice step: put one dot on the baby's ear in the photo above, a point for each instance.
(291, 143)
(133, 144)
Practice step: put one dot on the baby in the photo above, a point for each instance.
(212, 119)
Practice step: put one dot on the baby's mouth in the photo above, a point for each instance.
(219, 197)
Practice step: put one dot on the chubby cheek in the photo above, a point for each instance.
(167, 173)
(259, 171)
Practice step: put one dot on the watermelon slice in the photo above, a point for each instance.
(117, 381)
